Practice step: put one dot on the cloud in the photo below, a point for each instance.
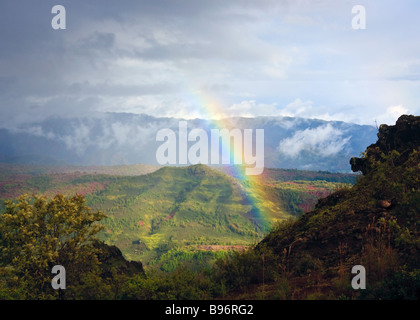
(79, 140)
(298, 108)
(251, 108)
(134, 136)
(324, 140)
(271, 58)
(391, 115)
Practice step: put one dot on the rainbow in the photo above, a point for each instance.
(211, 110)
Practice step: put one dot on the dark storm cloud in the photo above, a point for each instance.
(42, 67)
(256, 57)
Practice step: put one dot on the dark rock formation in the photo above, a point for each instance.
(403, 137)
(111, 258)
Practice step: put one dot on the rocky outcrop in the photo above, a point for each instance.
(403, 137)
(112, 259)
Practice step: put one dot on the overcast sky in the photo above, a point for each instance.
(172, 58)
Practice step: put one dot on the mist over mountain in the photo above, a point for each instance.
(123, 138)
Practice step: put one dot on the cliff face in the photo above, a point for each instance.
(403, 137)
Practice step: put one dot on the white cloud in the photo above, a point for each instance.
(298, 108)
(391, 115)
(250, 108)
(324, 140)
(132, 135)
(79, 140)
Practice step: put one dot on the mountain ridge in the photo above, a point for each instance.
(120, 139)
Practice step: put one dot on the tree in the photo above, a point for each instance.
(36, 234)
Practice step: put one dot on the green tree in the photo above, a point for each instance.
(36, 234)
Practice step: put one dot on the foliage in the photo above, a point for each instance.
(374, 223)
(36, 234)
(181, 284)
(401, 285)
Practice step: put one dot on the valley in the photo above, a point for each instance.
(164, 216)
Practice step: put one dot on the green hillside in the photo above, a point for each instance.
(148, 215)
(171, 215)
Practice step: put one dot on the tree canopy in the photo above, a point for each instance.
(36, 234)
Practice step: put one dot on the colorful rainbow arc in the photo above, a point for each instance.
(216, 118)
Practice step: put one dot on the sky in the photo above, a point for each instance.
(210, 58)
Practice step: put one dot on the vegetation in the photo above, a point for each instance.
(200, 240)
(375, 223)
(161, 217)
(36, 234)
(181, 221)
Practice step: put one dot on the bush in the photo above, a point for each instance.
(401, 285)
